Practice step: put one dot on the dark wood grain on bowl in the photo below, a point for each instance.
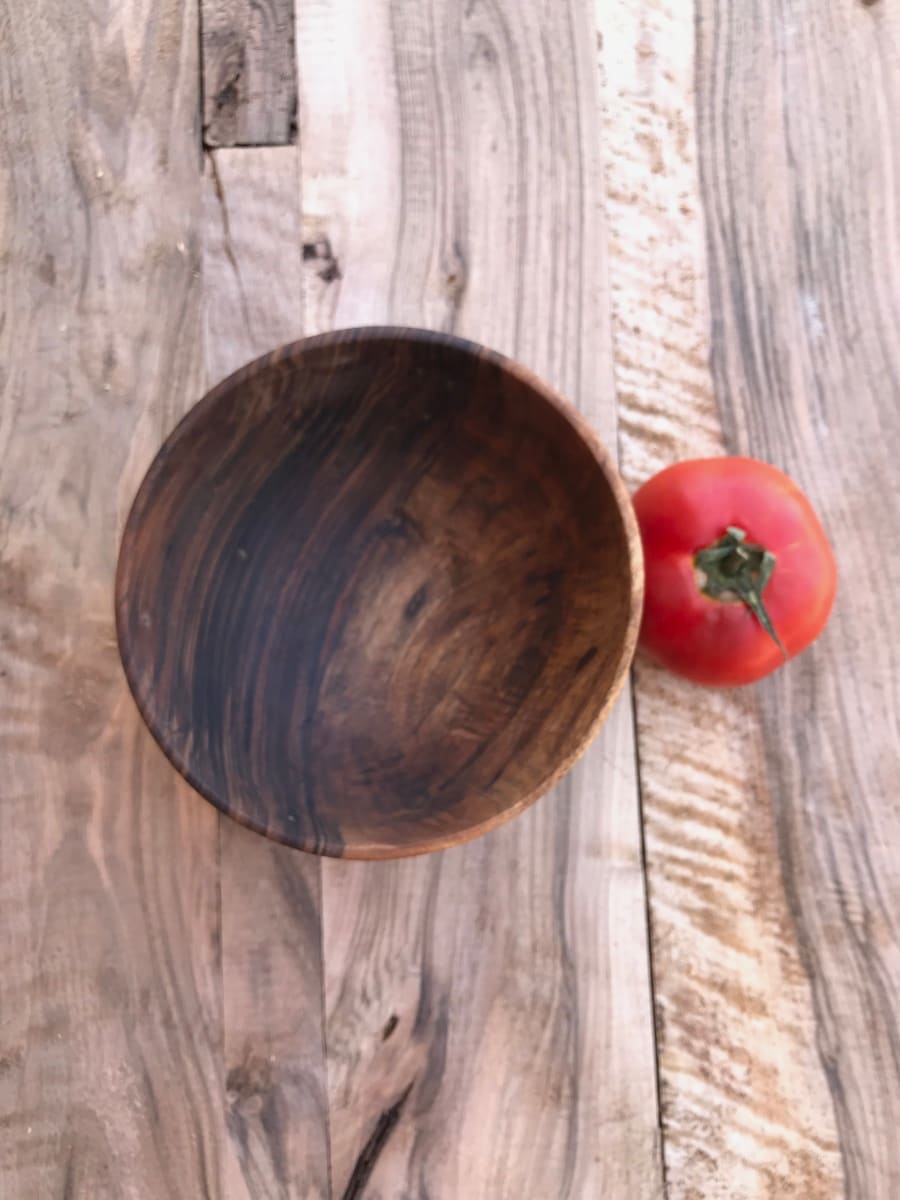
(376, 591)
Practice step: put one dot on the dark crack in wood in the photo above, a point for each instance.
(365, 1164)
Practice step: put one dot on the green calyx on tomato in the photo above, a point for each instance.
(734, 567)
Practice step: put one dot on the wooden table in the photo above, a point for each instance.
(685, 216)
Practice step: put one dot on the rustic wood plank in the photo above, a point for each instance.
(276, 1106)
(745, 1102)
(798, 124)
(741, 1032)
(109, 985)
(249, 72)
(487, 1009)
(252, 259)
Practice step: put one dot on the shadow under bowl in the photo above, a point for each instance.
(377, 592)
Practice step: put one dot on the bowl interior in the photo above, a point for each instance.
(376, 591)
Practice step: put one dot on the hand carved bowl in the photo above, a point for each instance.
(377, 592)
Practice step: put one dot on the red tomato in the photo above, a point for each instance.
(739, 573)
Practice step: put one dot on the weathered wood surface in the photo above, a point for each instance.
(275, 1097)
(249, 75)
(274, 1073)
(488, 1009)
(109, 997)
(772, 891)
(441, 186)
(804, 271)
(252, 255)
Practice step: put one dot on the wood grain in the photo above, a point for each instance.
(252, 255)
(275, 1096)
(274, 1068)
(249, 72)
(744, 1100)
(488, 1010)
(109, 1050)
(377, 592)
(801, 191)
(745, 1086)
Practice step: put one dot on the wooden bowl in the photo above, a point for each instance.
(377, 592)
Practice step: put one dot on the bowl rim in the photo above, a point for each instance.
(635, 561)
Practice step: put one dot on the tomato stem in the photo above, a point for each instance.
(732, 564)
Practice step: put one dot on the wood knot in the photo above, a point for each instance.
(320, 251)
(249, 1080)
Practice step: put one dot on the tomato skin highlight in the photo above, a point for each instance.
(688, 507)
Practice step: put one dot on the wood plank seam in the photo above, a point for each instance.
(648, 914)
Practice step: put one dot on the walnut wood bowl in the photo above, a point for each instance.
(377, 592)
